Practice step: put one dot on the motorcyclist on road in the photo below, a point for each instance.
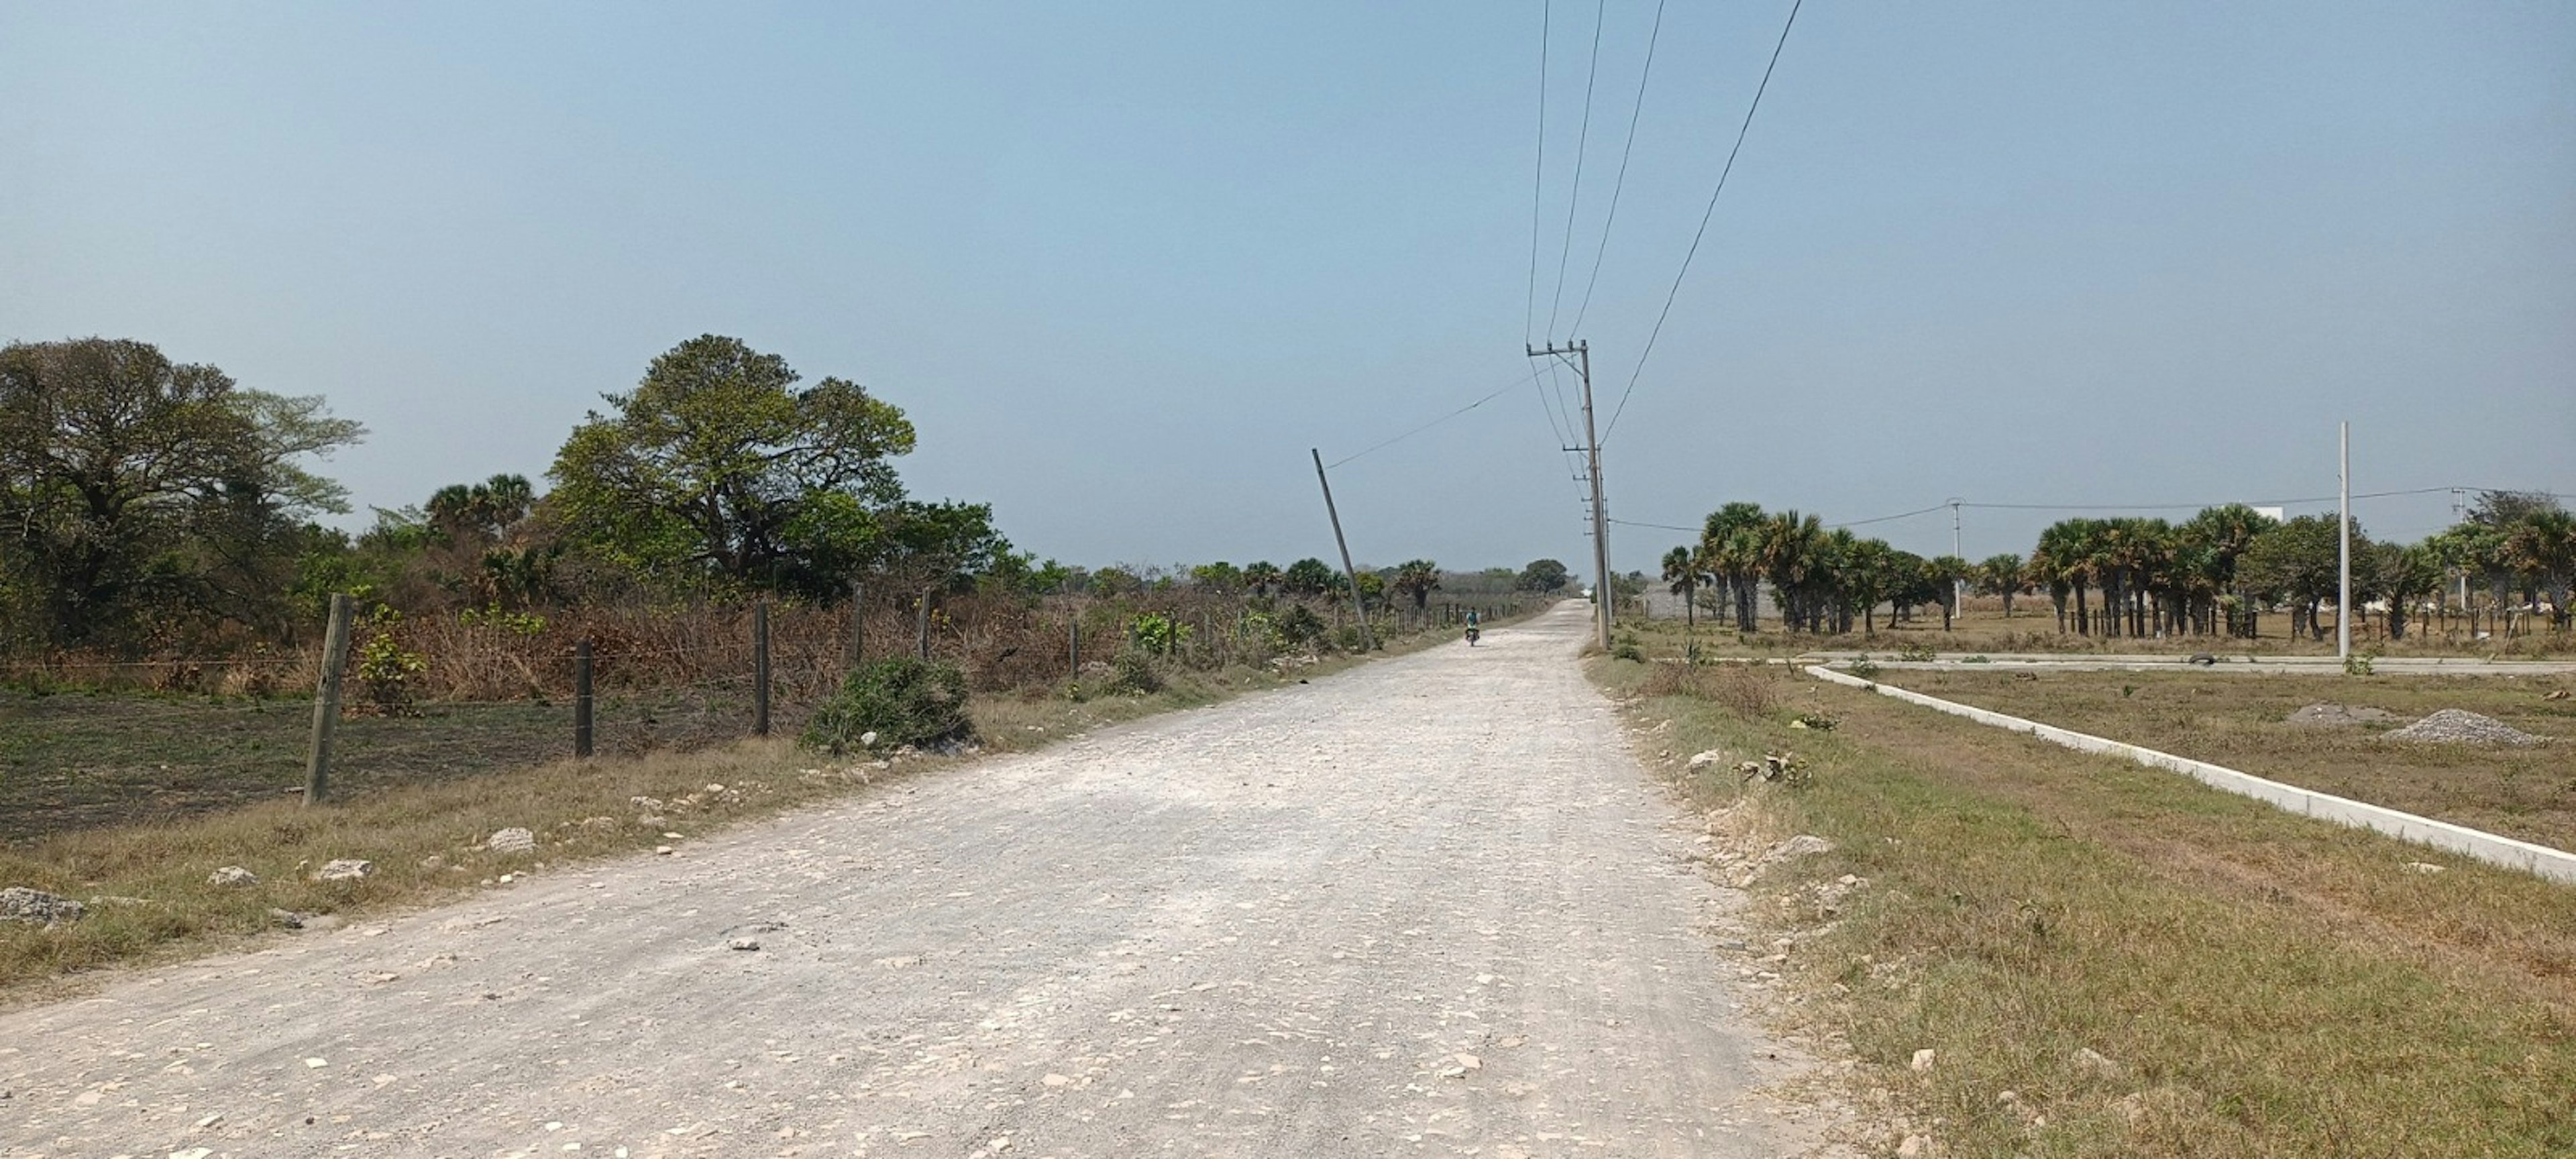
(1472, 625)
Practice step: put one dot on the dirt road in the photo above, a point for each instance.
(1426, 907)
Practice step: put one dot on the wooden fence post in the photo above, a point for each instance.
(858, 624)
(581, 717)
(326, 699)
(760, 668)
(921, 629)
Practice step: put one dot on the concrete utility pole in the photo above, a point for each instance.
(1582, 363)
(1958, 584)
(1359, 606)
(2343, 534)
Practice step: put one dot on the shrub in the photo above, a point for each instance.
(1299, 626)
(386, 668)
(1626, 648)
(902, 699)
(1133, 671)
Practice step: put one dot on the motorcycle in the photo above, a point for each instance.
(1472, 633)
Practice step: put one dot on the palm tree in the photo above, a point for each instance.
(1681, 571)
(1417, 578)
(2001, 575)
(1730, 549)
(1261, 577)
(1789, 541)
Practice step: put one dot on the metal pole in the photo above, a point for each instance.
(2343, 593)
(1354, 573)
(581, 704)
(326, 700)
(1600, 513)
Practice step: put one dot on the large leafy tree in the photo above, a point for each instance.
(2540, 547)
(2298, 563)
(719, 464)
(1543, 575)
(141, 497)
(2001, 575)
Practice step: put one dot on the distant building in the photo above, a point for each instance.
(2275, 514)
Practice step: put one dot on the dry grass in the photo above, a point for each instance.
(577, 809)
(2240, 722)
(2265, 985)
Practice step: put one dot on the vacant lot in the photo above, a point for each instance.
(2033, 628)
(2247, 982)
(2244, 722)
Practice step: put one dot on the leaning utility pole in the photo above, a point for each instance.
(2343, 536)
(1358, 605)
(1592, 458)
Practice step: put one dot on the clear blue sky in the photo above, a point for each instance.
(1124, 264)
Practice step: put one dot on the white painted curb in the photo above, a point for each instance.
(2505, 851)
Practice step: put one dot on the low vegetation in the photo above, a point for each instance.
(144, 870)
(2253, 724)
(2149, 967)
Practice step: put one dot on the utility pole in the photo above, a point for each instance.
(1582, 363)
(2343, 535)
(1358, 605)
(1958, 584)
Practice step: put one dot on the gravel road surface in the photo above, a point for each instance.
(1430, 906)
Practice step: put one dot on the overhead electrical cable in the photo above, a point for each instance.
(1538, 172)
(1514, 384)
(1711, 211)
(1574, 196)
(1652, 35)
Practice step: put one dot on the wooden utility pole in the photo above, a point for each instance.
(326, 699)
(1601, 596)
(1359, 605)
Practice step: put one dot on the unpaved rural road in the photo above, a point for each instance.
(1426, 907)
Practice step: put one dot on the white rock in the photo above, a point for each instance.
(2092, 1062)
(2423, 867)
(1914, 1147)
(1702, 760)
(743, 944)
(344, 869)
(1802, 845)
(1923, 1060)
(232, 875)
(18, 903)
(868, 740)
(1471, 1062)
(511, 840)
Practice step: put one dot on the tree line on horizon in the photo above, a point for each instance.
(2136, 577)
(148, 505)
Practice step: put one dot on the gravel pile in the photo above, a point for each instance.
(2341, 714)
(2454, 726)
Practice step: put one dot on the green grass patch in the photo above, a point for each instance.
(2261, 984)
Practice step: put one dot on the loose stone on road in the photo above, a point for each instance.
(1429, 906)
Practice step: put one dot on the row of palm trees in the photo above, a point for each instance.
(2130, 577)
(1821, 580)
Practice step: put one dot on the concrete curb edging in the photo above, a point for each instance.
(2523, 855)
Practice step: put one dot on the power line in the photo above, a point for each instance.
(1621, 182)
(1893, 518)
(1574, 196)
(1711, 211)
(1513, 385)
(1538, 170)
